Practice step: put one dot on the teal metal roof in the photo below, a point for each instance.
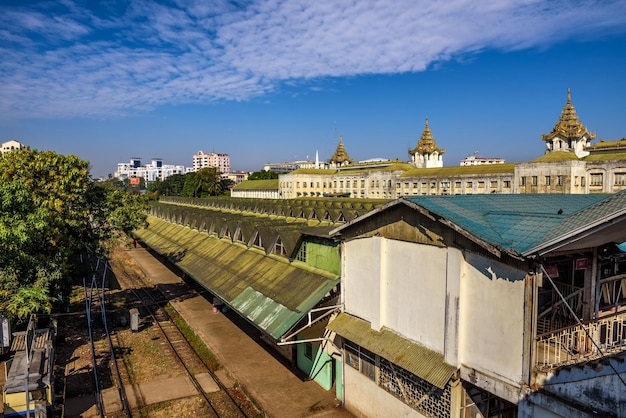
(514, 223)
(605, 213)
(416, 358)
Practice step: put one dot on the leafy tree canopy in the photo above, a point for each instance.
(263, 175)
(51, 214)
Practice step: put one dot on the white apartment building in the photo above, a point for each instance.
(11, 145)
(474, 160)
(211, 159)
(149, 172)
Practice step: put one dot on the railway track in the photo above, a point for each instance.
(223, 402)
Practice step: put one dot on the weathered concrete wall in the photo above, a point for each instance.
(365, 399)
(413, 292)
(361, 282)
(492, 319)
(389, 283)
(595, 385)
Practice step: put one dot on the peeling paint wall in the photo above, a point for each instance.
(492, 318)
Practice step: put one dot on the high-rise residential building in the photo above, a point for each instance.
(211, 159)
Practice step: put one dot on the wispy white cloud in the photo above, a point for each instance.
(66, 60)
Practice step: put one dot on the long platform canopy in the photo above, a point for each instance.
(268, 290)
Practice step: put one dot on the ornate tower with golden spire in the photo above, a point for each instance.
(426, 154)
(340, 157)
(569, 134)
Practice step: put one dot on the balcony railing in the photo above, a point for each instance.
(576, 344)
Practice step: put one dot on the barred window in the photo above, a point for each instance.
(595, 179)
(361, 359)
(620, 179)
(414, 391)
(301, 256)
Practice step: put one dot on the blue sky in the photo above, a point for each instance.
(270, 81)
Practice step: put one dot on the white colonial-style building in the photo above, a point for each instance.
(571, 164)
(484, 306)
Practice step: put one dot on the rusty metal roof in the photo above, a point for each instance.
(417, 359)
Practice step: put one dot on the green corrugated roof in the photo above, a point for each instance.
(376, 166)
(460, 170)
(268, 290)
(313, 171)
(269, 184)
(606, 157)
(621, 143)
(512, 223)
(417, 359)
(556, 156)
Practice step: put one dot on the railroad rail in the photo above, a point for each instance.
(153, 303)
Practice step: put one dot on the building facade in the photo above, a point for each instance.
(156, 170)
(570, 165)
(220, 161)
(11, 145)
(485, 306)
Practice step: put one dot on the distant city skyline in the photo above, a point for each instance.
(274, 81)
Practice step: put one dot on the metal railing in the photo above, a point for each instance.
(578, 343)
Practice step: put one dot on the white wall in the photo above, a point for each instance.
(365, 399)
(361, 278)
(491, 336)
(413, 292)
(392, 283)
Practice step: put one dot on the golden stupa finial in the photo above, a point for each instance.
(568, 126)
(340, 156)
(426, 143)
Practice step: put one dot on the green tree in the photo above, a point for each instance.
(172, 185)
(263, 175)
(52, 214)
(189, 185)
(28, 300)
(207, 181)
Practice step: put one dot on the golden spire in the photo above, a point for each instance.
(340, 156)
(426, 144)
(568, 126)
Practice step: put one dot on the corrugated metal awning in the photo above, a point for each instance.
(417, 359)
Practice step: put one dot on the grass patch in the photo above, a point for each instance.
(207, 357)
